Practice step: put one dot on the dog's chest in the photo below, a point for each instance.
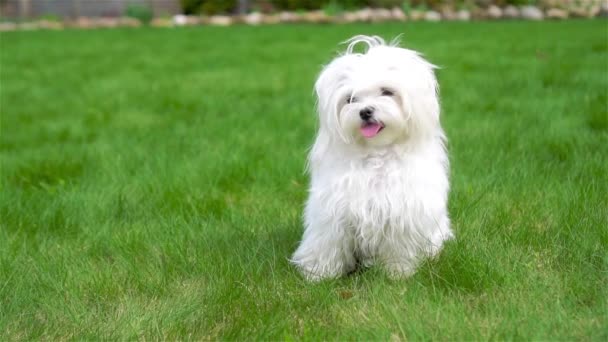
(376, 191)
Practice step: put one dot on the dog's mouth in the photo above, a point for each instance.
(370, 129)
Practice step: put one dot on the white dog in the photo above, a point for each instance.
(379, 168)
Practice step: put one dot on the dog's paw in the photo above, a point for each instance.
(315, 276)
(436, 244)
(315, 271)
(399, 270)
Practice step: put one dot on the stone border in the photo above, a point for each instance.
(372, 15)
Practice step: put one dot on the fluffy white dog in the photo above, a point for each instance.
(379, 168)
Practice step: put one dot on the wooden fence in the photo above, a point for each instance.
(81, 8)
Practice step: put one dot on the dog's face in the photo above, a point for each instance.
(373, 114)
(382, 97)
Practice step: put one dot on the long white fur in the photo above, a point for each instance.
(383, 199)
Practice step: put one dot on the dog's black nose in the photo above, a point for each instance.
(366, 113)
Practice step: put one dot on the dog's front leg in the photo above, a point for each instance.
(326, 250)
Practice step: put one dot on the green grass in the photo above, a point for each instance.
(152, 186)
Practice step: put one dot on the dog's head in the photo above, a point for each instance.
(383, 96)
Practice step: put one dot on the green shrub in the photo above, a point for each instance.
(464, 5)
(422, 7)
(191, 6)
(294, 5)
(406, 6)
(208, 6)
(218, 6)
(520, 2)
(140, 12)
(330, 7)
(50, 17)
(333, 8)
(385, 3)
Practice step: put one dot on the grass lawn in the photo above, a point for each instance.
(152, 186)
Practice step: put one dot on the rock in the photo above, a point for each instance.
(584, 10)
(161, 22)
(416, 15)
(603, 12)
(316, 17)
(348, 17)
(432, 16)
(577, 12)
(479, 13)
(102, 23)
(494, 12)
(108, 22)
(270, 19)
(381, 14)
(183, 20)
(220, 20)
(448, 13)
(28, 26)
(83, 22)
(129, 22)
(463, 15)
(197, 20)
(254, 18)
(510, 12)
(50, 25)
(557, 13)
(179, 20)
(397, 14)
(531, 13)
(8, 26)
(594, 10)
(364, 14)
(289, 17)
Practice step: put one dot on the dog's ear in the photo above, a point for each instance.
(420, 93)
(327, 107)
(331, 89)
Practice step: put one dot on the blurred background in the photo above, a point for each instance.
(57, 13)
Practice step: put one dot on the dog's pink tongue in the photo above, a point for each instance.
(371, 129)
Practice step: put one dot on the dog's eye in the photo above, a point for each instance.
(387, 92)
(351, 99)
